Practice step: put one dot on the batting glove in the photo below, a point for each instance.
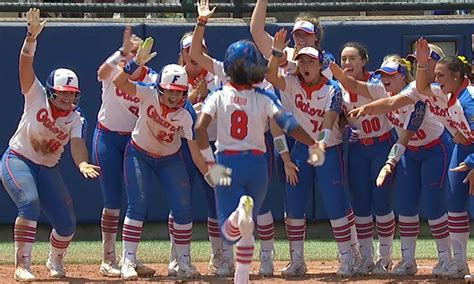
(218, 175)
(350, 134)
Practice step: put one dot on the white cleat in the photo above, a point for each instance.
(347, 269)
(469, 278)
(186, 270)
(56, 267)
(366, 266)
(245, 221)
(109, 269)
(214, 262)
(23, 274)
(128, 271)
(143, 270)
(382, 267)
(440, 268)
(173, 268)
(226, 268)
(266, 265)
(456, 270)
(295, 268)
(405, 267)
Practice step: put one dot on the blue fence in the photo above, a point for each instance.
(84, 46)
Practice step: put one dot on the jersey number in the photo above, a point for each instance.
(371, 125)
(420, 134)
(238, 124)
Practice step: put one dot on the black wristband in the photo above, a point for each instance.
(277, 53)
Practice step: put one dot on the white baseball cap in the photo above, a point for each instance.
(186, 42)
(311, 52)
(174, 77)
(305, 26)
(391, 67)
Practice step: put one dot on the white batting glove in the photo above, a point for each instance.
(317, 155)
(35, 25)
(218, 175)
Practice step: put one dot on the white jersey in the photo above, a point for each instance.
(157, 131)
(39, 137)
(429, 130)
(448, 109)
(309, 104)
(241, 117)
(374, 125)
(119, 111)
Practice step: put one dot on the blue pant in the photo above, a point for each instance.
(249, 177)
(458, 193)
(196, 176)
(269, 157)
(108, 149)
(363, 167)
(329, 178)
(35, 188)
(140, 170)
(422, 175)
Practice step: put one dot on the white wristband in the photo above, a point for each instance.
(280, 144)
(208, 155)
(28, 48)
(115, 58)
(395, 154)
(324, 135)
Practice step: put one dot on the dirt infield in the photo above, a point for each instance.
(319, 272)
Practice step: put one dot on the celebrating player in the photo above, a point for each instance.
(30, 171)
(116, 120)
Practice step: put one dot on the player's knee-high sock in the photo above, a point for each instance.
(409, 229)
(214, 236)
(341, 229)
(244, 253)
(109, 227)
(440, 231)
(295, 231)
(173, 255)
(182, 239)
(266, 231)
(230, 230)
(131, 234)
(385, 232)
(459, 233)
(24, 235)
(58, 244)
(365, 235)
(354, 239)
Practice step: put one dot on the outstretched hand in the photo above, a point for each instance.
(89, 170)
(463, 167)
(35, 25)
(279, 40)
(203, 10)
(144, 54)
(422, 52)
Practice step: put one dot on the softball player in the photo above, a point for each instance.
(242, 148)
(451, 99)
(316, 102)
(163, 119)
(116, 120)
(423, 170)
(372, 138)
(265, 224)
(30, 171)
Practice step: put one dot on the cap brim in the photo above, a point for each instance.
(301, 29)
(310, 55)
(385, 70)
(66, 89)
(174, 87)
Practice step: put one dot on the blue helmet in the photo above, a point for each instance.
(243, 50)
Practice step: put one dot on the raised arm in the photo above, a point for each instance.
(273, 76)
(348, 82)
(26, 71)
(196, 52)
(423, 84)
(262, 39)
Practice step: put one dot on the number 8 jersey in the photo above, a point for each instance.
(242, 116)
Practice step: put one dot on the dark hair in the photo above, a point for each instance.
(454, 65)
(360, 48)
(469, 68)
(240, 73)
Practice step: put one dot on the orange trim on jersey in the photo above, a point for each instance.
(143, 74)
(353, 96)
(455, 95)
(56, 113)
(240, 87)
(310, 89)
(192, 80)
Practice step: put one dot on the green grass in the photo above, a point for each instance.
(86, 249)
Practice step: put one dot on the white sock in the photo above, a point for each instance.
(341, 229)
(131, 234)
(365, 235)
(59, 244)
(182, 234)
(295, 231)
(440, 231)
(231, 229)
(214, 236)
(385, 232)
(355, 246)
(24, 234)
(244, 253)
(459, 234)
(409, 229)
(109, 227)
(173, 254)
(266, 232)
